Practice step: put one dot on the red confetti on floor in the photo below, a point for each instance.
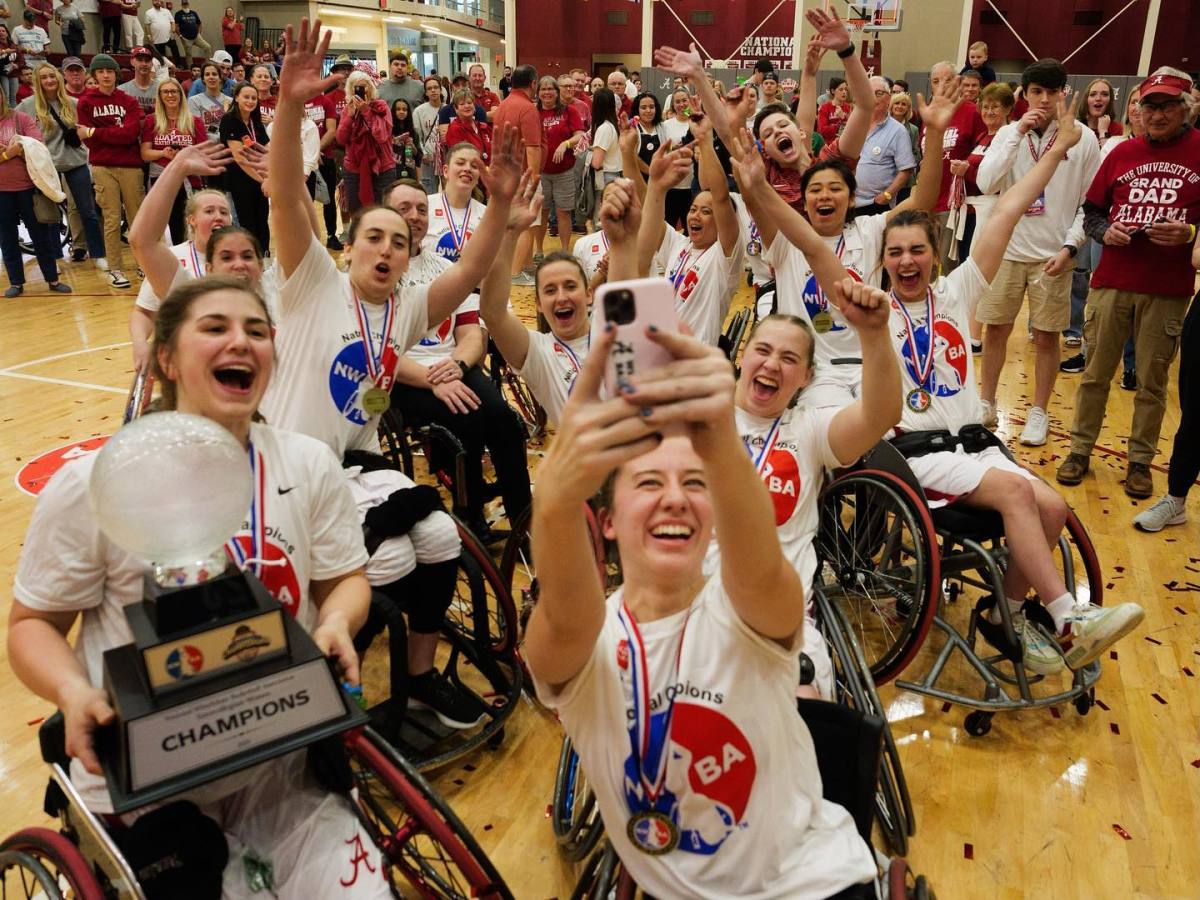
(945, 707)
(549, 810)
(1112, 726)
(968, 851)
(39, 720)
(1102, 705)
(1196, 763)
(1159, 698)
(1188, 672)
(1154, 640)
(1181, 610)
(1112, 654)
(1055, 713)
(1122, 832)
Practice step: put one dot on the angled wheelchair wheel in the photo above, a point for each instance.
(521, 399)
(573, 813)
(1080, 565)
(599, 876)
(47, 863)
(854, 687)
(880, 564)
(393, 441)
(483, 603)
(425, 844)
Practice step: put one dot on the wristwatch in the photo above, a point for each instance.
(462, 365)
(1071, 250)
(846, 52)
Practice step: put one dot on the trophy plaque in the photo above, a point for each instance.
(219, 677)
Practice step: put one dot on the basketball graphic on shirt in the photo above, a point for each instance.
(447, 247)
(347, 377)
(781, 475)
(710, 774)
(947, 345)
(812, 298)
(275, 573)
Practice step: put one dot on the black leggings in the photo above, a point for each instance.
(252, 207)
(424, 594)
(111, 27)
(328, 169)
(1185, 458)
(493, 425)
(177, 221)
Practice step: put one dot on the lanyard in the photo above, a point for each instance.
(258, 524)
(651, 762)
(822, 300)
(683, 267)
(381, 365)
(575, 360)
(768, 444)
(924, 367)
(1037, 154)
(197, 268)
(459, 236)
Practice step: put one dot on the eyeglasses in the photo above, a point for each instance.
(883, 93)
(1159, 106)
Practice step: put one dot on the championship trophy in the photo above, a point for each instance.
(219, 676)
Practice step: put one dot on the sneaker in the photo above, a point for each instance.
(117, 279)
(78, 254)
(523, 279)
(988, 417)
(59, 288)
(1074, 467)
(333, 243)
(1036, 427)
(1128, 380)
(101, 263)
(976, 347)
(435, 692)
(1073, 364)
(537, 259)
(1090, 630)
(27, 248)
(1167, 511)
(15, 290)
(1139, 483)
(1072, 340)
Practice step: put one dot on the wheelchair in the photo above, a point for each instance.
(423, 843)
(513, 389)
(894, 567)
(847, 778)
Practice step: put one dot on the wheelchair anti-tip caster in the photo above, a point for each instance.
(978, 723)
(1085, 701)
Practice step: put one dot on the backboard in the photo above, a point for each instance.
(868, 15)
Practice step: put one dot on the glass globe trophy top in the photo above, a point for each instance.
(172, 488)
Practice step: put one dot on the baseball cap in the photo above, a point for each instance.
(770, 76)
(1167, 85)
(144, 51)
(343, 60)
(73, 62)
(222, 58)
(103, 61)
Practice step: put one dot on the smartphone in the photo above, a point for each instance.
(361, 92)
(633, 306)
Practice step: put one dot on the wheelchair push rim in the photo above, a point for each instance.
(574, 816)
(57, 857)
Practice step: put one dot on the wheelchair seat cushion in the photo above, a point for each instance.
(967, 522)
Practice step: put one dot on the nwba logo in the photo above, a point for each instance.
(813, 296)
(781, 475)
(710, 773)
(947, 379)
(184, 662)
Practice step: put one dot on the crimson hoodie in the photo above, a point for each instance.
(117, 118)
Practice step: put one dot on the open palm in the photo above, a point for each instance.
(304, 53)
(831, 30)
(944, 102)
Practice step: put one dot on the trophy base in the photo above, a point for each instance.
(167, 744)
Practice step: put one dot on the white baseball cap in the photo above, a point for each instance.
(222, 58)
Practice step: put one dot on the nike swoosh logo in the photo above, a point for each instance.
(283, 491)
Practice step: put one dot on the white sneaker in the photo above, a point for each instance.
(117, 279)
(1090, 630)
(988, 415)
(101, 263)
(1042, 655)
(1036, 426)
(1167, 511)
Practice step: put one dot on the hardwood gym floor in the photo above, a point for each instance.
(1048, 804)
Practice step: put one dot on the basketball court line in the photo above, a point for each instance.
(67, 355)
(63, 381)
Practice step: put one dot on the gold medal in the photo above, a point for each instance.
(919, 400)
(652, 832)
(376, 401)
(822, 322)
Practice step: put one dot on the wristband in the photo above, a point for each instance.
(5, 156)
(462, 365)
(1071, 250)
(1192, 236)
(846, 52)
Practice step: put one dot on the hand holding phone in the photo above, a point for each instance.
(633, 306)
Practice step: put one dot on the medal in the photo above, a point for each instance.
(652, 832)
(458, 235)
(375, 401)
(258, 527)
(919, 400)
(822, 322)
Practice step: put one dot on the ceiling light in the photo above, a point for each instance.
(328, 11)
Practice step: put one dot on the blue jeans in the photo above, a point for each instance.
(10, 88)
(16, 207)
(1086, 261)
(79, 183)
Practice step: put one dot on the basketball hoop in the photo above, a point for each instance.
(867, 15)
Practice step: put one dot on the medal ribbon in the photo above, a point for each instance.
(381, 366)
(197, 267)
(1037, 154)
(258, 524)
(768, 444)
(651, 773)
(459, 236)
(684, 266)
(822, 300)
(924, 366)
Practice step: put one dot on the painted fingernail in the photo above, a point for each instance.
(653, 329)
(646, 412)
(624, 386)
(609, 327)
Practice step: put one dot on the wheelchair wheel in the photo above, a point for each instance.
(520, 398)
(421, 838)
(482, 604)
(599, 875)
(1080, 564)
(853, 687)
(880, 563)
(58, 868)
(393, 441)
(573, 813)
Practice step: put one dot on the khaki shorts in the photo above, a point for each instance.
(1049, 297)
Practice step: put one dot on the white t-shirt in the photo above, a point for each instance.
(794, 472)
(675, 131)
(550, 369)
(67, 563)
(440, 237)
(798, 293)
(320, 360)
(590, 250)
(158, 23)
(191, 265)
(954, 399)
(606, 140)
(742, 782)
(438, 343)
(704, 282)
(752, 244)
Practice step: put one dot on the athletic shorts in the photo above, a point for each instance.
(833, 385)
(947, 476)
(1049, 296)
(432, 540)
(559, 191)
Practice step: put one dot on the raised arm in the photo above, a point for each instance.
(667, 168)
(299, 79)
(832, 35)
(712, 179)
(806, 99)
(620, 219)
(937, 115)
(509, 333)
(631, 164)
(146, 231)
(502, 179)
(727, 114)
(987, 250)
